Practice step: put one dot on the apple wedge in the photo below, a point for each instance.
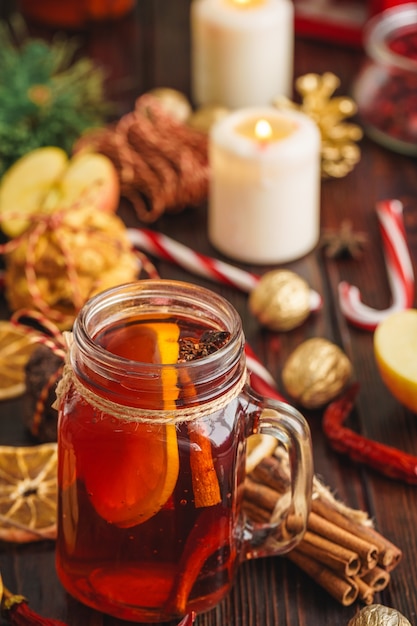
(46, 180)
(26, 185)
(89, 179)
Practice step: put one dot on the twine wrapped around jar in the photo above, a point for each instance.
(137, 414)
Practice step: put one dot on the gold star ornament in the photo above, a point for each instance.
(339, 152)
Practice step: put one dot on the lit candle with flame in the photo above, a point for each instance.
(264, 200)
(266, 130)
(263, 130)
(241, 51)
(247, 3)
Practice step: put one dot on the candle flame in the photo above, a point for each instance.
(263, 130)
(247, 3)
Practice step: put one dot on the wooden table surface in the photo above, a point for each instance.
(151, 49)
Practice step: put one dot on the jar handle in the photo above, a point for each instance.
(288, 521)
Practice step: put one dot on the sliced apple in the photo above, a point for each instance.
(395, 349)
(25, 186)
(46, 180)
(90, 178)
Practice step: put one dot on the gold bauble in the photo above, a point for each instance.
(316, 372)
(203, 118)
(281, 300)
(378, 615)
(173, 102)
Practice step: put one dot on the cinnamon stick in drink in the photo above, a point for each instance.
(204, 478)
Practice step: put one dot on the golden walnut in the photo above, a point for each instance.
(281, 300)
(379, 615)
(316, 372)
(61, 262)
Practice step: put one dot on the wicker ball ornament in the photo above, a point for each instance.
(281, 300)
(64, 259)
(316, 372)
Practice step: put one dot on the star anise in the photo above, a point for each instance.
(344, 241)
(209, 342)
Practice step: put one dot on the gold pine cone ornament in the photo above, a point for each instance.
(339, 150)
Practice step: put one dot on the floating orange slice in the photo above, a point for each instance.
(28, 492)
(147, 460)
(16, 346)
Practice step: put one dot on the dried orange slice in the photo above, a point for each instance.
(148, 462)
(28, 491)
(258, 448)
(16, 346)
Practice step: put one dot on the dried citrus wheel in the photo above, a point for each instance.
(258, 448)
(16, 346)
(395, 348)
(147, 459)
(28, 490)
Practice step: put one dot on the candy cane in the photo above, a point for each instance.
(261, 379)
(399, 270)
(166, 248)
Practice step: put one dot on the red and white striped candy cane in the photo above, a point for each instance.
(164, 247)
(261, 380)
(399, 271)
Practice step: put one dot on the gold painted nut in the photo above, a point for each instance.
(281, 300)
(316, 372)
(379, 615)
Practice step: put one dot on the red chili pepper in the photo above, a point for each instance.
(385, 459)
(15, 609)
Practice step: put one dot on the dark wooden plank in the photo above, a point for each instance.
(150, 50)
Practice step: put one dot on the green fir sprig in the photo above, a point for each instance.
(48, 97)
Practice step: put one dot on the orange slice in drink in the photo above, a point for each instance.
(28, 490)
(132, 481)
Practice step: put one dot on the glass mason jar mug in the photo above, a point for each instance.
(154, 414)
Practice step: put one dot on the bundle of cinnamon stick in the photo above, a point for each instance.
(340, 550)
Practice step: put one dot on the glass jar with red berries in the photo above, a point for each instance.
(386, 87)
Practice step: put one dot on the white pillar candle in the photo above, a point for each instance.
(241, 51)
(264, 196)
